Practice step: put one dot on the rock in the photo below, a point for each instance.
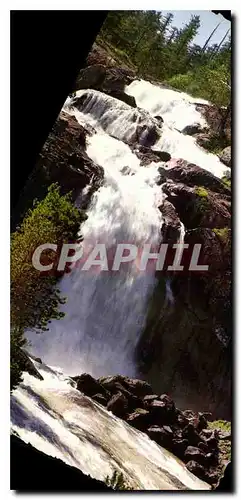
(203, 446)
(159, 119)
(117, 78)
(171, 223)
(139, 388)
(161, 412)
(193, 453)
(201, 423)
(147, 400)
(226, 481)
(118, 405)
(89, 386)
(179, 447)
(148, 136)
(196, 128)
(189, 432)
(148, 155)
(204, 140)
(125, 170)
(206, 433)
(218, 120)
(27, 365)
(122, 96)
(100, 398)
(212, 443)
(192, 175)
(198, 207)
(225, 156)
(91, 77)
(161, 435)
(139, 419)
(63, 158)
(197, 469)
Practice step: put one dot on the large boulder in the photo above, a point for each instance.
(148, 155)
(91, 77)
(118, 405)
(89, 385)
(225, 156)
(198, 206)
(122, 96)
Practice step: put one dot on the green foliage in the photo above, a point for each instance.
(223, 425)
(201, 191)
(117, 481)
(206, 81)
(226, 181)
(222, 233)
(159, 50)
(35, 299)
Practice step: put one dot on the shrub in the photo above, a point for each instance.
(35, 299)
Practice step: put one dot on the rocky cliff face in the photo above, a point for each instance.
(185, 349)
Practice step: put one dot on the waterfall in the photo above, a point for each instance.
(106, 311)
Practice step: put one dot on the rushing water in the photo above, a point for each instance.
(106, 311)
(60, 421)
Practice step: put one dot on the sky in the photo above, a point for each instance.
(208, 22)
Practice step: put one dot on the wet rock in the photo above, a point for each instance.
(118, 405)
(171, 223)
(206, 433)
(100, 398)
(196, 128)
(148, 155)
(139, 419)
(139, 388)
(193, 453)
(147, 136)
(225, 436)
(225, 156)
(197, 469)
(159, 119)
(89, 386)
(122, 96)
(27, 365)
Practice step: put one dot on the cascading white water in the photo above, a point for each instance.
(106, 311)
(178, 110)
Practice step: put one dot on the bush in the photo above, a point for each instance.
(35, 299)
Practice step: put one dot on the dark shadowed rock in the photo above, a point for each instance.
(89, 386)
(192, 175)
(159, 120)
(179, 447)
(197, 469)
(27, 365)
(148, 155)
(161, 435)
(196, 128)
(139, 419)
(193, 453)
(91, 77)
(189, 432)
(122, 96)
(118, 405)
(203, 446)
(100, 398)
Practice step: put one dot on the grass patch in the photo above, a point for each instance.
(223, 425)
(223, 235)
(226, 181)
(201, 191)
